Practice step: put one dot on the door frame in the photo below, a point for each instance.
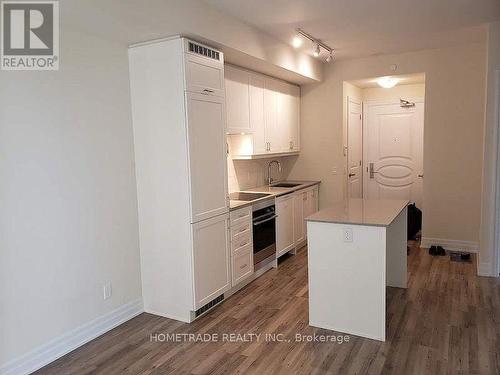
(496, 179)
(366, 104)
(360, 102)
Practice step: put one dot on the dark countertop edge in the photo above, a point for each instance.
(273, 195)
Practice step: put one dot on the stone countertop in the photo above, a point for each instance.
(373, 212)
(273, 191)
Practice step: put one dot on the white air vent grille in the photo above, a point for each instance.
(204, 51)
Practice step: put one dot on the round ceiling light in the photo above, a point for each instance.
(387, 82)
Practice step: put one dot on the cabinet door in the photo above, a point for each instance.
(257, 120)
(294, 107)
(284, 225)
(237, 100)
(298, 217)
(207, 156)
(204, 75)
(310, 204)
(270, 115)
(211, 259)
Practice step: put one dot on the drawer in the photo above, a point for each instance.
(242, 267)
(241, 228)
(246, 247)
(241, 239)
(240, 216)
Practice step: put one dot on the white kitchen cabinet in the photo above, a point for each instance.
(211, 259)
(177, 92)
(300, 201)
(237, 85)
(310, 204)
(241, 245)
(273, 107)
(207, 155)
(204, 75)
(257, 119)
(285, 240)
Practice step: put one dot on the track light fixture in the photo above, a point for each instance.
(317, 51)
(318, 44)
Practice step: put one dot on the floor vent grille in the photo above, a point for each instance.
(208, 306)
(204, 51)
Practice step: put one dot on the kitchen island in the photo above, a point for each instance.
(356, 248)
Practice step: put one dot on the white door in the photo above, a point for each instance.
(237, 100)
(271, 102)
(257, 118)
(211, 259)
(300, 199)
(393, 139)
(204, 75)
(354, 149)
(284, 225)
(207, 156)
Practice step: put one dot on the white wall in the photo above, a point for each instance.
(68, 221)
(453, 132)
(416, 90)
(486, 264)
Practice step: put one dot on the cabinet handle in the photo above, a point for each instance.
(208, 91)
(291, 145)
(243, 244)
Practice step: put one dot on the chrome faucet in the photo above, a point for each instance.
(269, 178)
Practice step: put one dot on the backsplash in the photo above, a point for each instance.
(247, 174)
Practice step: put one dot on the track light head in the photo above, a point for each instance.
(317, 50)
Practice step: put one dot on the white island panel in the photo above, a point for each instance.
(347, 279)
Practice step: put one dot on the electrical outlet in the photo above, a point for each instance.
(348, 235)
(107, 291)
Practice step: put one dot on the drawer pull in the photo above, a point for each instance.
(242, 230)
(243, 266)
(243, 244)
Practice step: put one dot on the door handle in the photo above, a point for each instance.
(421, 175)
(372, 171)
(352, 174)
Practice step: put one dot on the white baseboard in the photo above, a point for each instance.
(69, 341)
(485, 269)
(454, 245)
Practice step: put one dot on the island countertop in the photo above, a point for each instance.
(374, 212)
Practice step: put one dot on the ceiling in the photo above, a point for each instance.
(403, 79)
(361, 28)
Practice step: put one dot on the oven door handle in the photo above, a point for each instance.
(263, 221)
(265, 216)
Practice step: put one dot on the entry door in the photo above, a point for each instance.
(354, 149)
(393, 166)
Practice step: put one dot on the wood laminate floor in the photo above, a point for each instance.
(446, 322)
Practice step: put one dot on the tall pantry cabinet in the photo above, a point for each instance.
(177, 90)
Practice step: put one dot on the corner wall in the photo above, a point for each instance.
(453, 139)
(487, 257)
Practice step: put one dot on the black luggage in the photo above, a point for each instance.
(414, 221)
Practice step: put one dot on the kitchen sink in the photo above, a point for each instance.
(285, 184)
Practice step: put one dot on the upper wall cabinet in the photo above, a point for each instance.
(262, 115)
(237, 84)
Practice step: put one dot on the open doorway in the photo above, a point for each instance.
(384, 129)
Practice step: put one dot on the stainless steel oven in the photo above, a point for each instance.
(264, 233)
